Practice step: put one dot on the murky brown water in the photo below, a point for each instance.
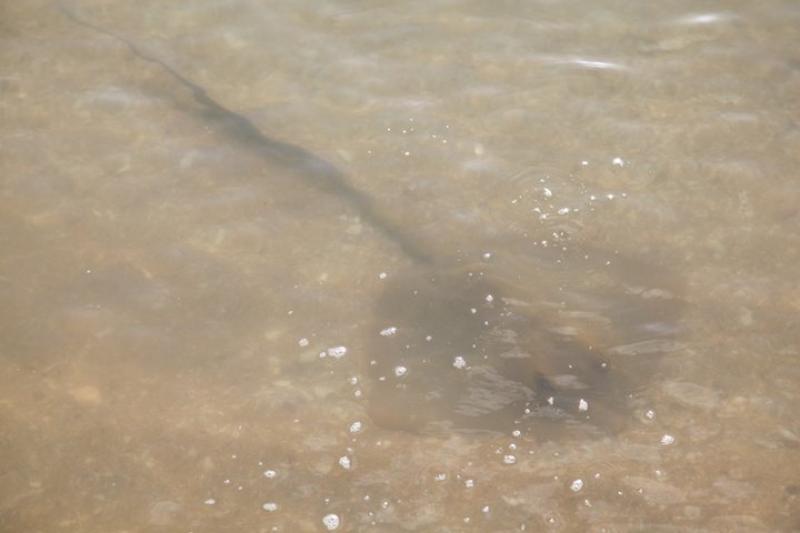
(434, 266)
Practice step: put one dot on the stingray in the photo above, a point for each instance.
(550, 340)
(546, 339)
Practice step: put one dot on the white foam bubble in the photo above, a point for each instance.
(331, 521)
(337, 352)
(270, 507)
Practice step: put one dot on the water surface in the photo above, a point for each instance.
(198, 315)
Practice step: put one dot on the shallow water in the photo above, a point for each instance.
(191, 336)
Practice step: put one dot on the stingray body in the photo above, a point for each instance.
(539, 338)
(524, 341)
